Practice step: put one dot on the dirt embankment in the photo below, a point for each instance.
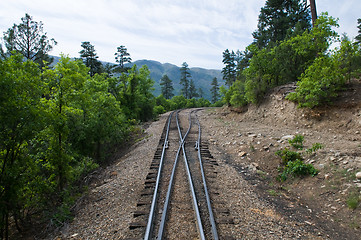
(252, 136)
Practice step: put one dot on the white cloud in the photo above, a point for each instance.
(195, 31)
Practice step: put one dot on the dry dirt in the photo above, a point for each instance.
(250, 139)
(244, 143)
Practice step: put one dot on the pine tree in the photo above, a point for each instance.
(358, 37)
(215, 90)
(200, 92)
(279, 19)
(166, 87)
(184, 80)
(229, 71)
(90, 58)
(122, 57)
(28, 39)
(192, 90)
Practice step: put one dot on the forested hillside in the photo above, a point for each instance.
(288, 48)
(202, 77)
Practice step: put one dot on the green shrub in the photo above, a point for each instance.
(314, 148)
(292, 161)
(159, 110)
(320, 83)
(353, 200)
(297, 142)
(287, 155)
(297, 168)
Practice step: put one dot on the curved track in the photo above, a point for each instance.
(176, 188)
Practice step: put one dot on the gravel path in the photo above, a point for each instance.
(107, 210)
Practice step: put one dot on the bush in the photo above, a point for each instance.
(320, 83)
(288, 156)
(314, 148)
(283, 63)
(297, 142)
(159, 110)
(292, 162)
(297, 168)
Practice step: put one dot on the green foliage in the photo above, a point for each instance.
(237, 96)
(353, 200)
(55, 125)
(167, 87)
(64, 84)
(292, 161)
(215, 90)
(288, 156)
(349, 55)
(28, 39)
(162, 101)
(315, 147)
(178, 102)
(320, 83)
(192, 90)
(327, 75)
(297, 168)
(297, 142)
(185, 80)
(280, 19)
(202, 102)
(229, 70)
(280, 63)
(358, 37)
(134, 93)
(159, 110)
(20, 119)
(90, 58)
(121, 57)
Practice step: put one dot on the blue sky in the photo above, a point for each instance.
(174, 31)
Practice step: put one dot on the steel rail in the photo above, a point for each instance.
(170, 186)
(190, 181)
(209, 206)
(150, 224)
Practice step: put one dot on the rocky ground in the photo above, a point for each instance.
(249, 140)
(244, 143)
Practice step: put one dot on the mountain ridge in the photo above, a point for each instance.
(202, 77)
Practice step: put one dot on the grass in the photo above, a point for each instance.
(262, 174)
(353, 200)
(354, 223)
(252, 148)
(273, 193)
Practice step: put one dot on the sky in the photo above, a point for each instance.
(173, 31)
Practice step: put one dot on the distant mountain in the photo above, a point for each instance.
(202, 77)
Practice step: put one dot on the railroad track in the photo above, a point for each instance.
(176, 202)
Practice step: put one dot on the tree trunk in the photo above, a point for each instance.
(313, 12)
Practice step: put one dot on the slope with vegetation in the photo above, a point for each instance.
(293, 80)
(286, 49)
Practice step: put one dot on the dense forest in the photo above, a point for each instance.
(59, 122)
(288, 47)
